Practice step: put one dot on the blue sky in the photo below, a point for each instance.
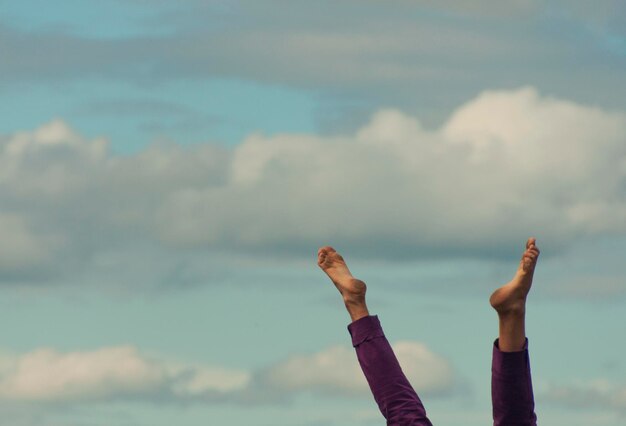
(168, 171)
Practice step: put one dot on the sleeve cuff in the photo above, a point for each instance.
(364, 329)
(510, 363)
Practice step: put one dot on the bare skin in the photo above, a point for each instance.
(352, 290)
(509, 301)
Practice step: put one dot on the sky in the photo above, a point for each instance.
(168, 171)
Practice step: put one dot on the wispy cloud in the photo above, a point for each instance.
(364, 47)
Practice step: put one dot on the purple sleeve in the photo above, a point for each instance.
(511, 388)
(393, 393)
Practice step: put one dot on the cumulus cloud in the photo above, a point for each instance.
(122, 372)
(337, 371)
(46, 375)
(505, 165)
(21, 248)
(467, 187)
(599, 393)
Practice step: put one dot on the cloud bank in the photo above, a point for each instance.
(336, 371)
(599, 393)
(46, 375)
(505, 165)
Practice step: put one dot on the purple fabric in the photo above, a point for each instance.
(512, 388)
(393, 393)
(398, 402)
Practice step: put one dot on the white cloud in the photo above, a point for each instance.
(336, 370)
(49, 161)
(46, 375)
(598, 393)
(202, 380)
(21, 249)
(505, 165)
(428, 372)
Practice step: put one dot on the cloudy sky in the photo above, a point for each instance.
(168, 171)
